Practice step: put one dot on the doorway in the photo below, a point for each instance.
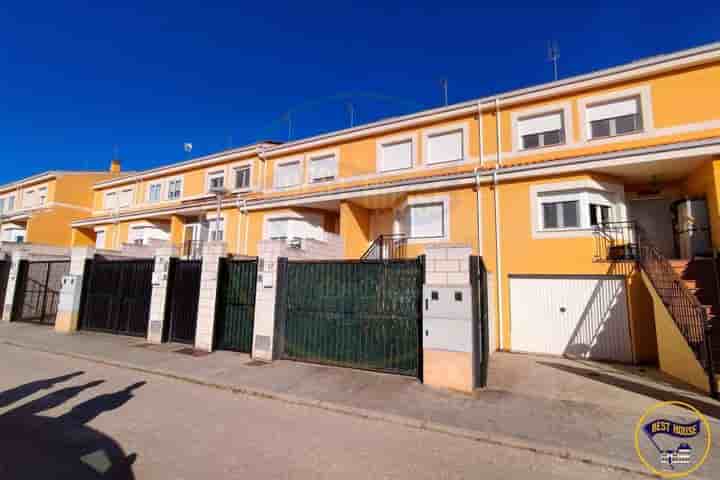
(654, 216)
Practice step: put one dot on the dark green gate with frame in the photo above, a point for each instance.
(38, 290)
(235, 317)
(353, 313)
(182, 302)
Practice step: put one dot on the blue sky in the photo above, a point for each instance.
(76, 78)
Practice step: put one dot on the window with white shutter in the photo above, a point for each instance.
(174, 190)
(125, 198)
(396, 155)
(427, 220)
(614, 118)
(111, 199)
(216, 180)
(278, 228)
(154, 192)
(445, 147)
(287, 174)
(100, 239)
(323, 169)
(242, 177)
(541, 131)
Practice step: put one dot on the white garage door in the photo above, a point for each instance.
(578, 316)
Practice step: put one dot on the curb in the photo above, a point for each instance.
(414, 423)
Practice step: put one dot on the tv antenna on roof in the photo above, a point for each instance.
(554, 56)
(444, 85)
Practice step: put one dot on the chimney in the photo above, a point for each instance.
(115, 165)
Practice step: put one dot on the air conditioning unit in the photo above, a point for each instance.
(294, 242)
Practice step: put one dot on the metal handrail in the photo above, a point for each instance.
(688, 314)
(386, 247)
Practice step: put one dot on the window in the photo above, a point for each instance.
(599, 214)
(137, 235)
(42, 196)
(287, 174)
(154, 192)
(174, 191)
(2, 205)
(111, 200)
(561, 214)
(541, 131)
(242, 177)
(309, 226)
(427, 220)
(100, 239)
(323, 169)
(217, 229)
(125, 198)
(445, 147)
(396, 155)
(615, 118)
(11, 203)
(278, 228)
(29, 199)
(216, 180)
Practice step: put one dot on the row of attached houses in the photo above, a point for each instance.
(581, 196)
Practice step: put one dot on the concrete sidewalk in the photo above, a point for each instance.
(583, 410)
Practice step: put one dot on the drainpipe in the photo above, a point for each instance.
(478, 207)
(247, 225)
(480, 134)
(498, 248)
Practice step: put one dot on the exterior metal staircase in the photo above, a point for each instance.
(386, 247)
(689, 289)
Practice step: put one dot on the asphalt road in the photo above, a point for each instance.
(66, 418)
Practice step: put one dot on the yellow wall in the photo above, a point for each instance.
(705, 182)
(674, 355)
(354, 229)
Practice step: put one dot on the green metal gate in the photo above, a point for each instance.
(235, 315)
(354, 313)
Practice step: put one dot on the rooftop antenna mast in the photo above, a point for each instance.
(444, 85)
(554, 56)
(187, 146)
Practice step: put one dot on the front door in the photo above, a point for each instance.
(654, 216)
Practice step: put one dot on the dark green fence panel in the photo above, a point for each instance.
(360, 314)
(236, 305)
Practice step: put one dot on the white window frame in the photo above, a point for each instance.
(292, 216)
(149, 192)
(393, 140)
(115, 195)
(403, 216)
(42, 196)
(10, 203)
(168, 188)
(646, 113)
(104, 238)
(211, 225)
(29, 198)
(432, 132)
(564, 107)
(320, 155)
(585, 192)
(212, 174)
(130, 193)
(284, 162)
(241, 166)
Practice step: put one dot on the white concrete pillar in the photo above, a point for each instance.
(160, 278)
(204, 334)
(17, 256)
(69, 306)
(265, 296)
(447, 323)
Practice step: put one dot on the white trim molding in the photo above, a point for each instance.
(380, 143)
(307, 176)
(464, 127)
(580, 190)
(565, 108)
(646, 112)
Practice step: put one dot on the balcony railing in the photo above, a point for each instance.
(192, 249)
(387, 247)
(616, 241)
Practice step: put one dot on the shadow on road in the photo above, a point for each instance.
(708, 408)
(39, 446)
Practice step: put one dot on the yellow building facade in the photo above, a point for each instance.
(41, 208)
(627, 143)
